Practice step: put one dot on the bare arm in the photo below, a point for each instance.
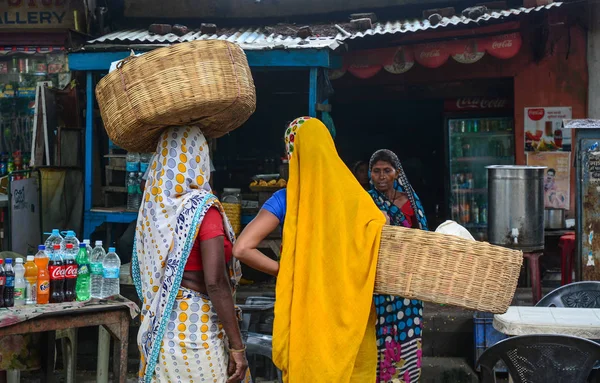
(245, 248)
(218, 287)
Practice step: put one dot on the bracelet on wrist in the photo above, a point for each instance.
(238, 351)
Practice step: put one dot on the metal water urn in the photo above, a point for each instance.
(516, 207)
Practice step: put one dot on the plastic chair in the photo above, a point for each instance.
(258, 344)
(578, 294)
(542, 359)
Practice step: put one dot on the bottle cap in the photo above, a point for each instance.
(86, 241)
(70, 233)
(55, 232)
(83, 245)
(56, 247)
(41, 248)
(19, 260)
(1, 261)
(30, 258)
(8, 261)
(69, 246)
(98, 243)
(111, 250)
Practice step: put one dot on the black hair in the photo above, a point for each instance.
(384, 156)
(357, 165)
(551, 171)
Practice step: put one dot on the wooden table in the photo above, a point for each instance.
(114, 315)
(583, 323)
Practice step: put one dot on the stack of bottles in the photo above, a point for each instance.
(137, 164)
(63, 270)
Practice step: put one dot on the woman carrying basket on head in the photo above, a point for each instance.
(399, 321)
(184, 271)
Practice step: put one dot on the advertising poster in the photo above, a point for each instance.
(557, 177)
(543, 129)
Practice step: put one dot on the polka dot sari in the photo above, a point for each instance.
(176, 199)
(399, 320)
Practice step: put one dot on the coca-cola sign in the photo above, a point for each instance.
(504, 46)
(56, 272)
(431, 55)
(478, 103)
(536, 114)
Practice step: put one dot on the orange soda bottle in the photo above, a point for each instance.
(43, 277)
(31, 276)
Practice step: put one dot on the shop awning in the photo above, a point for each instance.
(325, 35)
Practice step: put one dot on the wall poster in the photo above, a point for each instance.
(557, 177)
(543, 129)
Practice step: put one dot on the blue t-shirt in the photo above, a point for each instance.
(277, 205)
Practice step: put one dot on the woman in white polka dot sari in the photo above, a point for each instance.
(184, 272)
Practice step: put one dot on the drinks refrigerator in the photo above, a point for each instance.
(475, 141)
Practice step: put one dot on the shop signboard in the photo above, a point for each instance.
(544, 131)
(478, 104)
(557, 180)
(37, 14)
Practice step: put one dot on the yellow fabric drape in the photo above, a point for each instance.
(324, 330)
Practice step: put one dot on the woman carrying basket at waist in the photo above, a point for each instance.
(324, 328)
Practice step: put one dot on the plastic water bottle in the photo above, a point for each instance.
(145, 161)
(54, 239)
(98, 255)
(9, 287)
(31, 276)
(20, 284)
(83, 287)
(132, 191)
(70, 238)
(111, 268)
(132, 162)
(89, 248)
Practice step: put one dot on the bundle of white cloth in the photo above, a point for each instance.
(453, 228)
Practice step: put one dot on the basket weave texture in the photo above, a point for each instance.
(203, 83)
(447, 269)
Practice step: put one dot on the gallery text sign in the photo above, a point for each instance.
(37, 14)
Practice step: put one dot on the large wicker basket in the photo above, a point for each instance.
(447, 269)
(204, 83)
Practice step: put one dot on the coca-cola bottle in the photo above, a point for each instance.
(70, 272)
(56, 269)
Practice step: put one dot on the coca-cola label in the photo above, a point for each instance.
(536, 114)
(71, 271)
(477, 103)
(57, 272)
(502, 44)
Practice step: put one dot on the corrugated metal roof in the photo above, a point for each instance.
(392, 27)
(248, 38)
(260, 38)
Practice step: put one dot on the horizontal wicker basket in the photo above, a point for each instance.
(447, 269)
(204, 83)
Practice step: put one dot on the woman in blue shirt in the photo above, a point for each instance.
(269, 217)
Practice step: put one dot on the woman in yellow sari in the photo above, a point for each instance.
(324, 328)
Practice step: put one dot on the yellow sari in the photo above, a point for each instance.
(324, 328)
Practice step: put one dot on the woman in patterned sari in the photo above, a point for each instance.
(184, 270)
(399, 321)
